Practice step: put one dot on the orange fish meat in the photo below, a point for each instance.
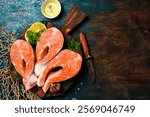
(49, 44)
(22, 57)
(52, 65)
(67, 62)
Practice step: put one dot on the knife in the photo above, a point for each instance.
(88, 57)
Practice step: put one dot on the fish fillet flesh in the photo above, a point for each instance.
(49, 44)
(62, 67)
(22, 57)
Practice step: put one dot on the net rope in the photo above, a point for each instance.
(9, 88)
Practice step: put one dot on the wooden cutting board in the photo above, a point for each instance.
(73, 18)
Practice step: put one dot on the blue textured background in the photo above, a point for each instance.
(17, 14)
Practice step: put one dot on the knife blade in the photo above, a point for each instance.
(88, 57)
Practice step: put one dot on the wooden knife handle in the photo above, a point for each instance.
(85, 47)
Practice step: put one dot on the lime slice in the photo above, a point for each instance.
(38, 26)
(26, 37)
(35, 27)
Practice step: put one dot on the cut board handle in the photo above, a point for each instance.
(74, 17)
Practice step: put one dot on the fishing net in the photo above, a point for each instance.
(9, 88)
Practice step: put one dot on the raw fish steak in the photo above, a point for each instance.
(49, 44)
(62, 67)
(22, 57)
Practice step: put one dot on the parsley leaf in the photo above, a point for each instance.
(33, 37)
(71, 44)
(17, 76)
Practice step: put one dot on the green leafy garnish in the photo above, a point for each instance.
(17, 76)
(33, 37)
(67, 84)
(71, 44)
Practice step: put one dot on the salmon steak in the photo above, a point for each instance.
(49, 64)
(22, 58)
(62, 67)
(49, 44)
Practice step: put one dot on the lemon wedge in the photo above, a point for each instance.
(35, 27)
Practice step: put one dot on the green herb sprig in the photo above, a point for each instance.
(33, 37)
(71, 44)
(17, 76)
